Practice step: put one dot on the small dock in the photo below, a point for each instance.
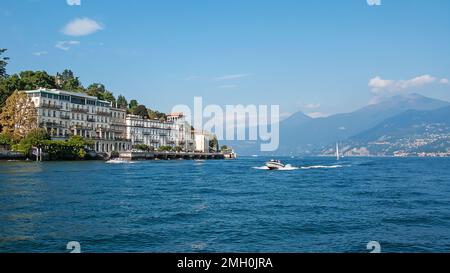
(169, 155)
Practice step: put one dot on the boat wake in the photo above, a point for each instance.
(120, 162)
(321, 167)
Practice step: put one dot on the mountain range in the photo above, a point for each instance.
(303, 135)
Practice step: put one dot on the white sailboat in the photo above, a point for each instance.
(337, 151)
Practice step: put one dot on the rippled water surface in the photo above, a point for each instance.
(315, 205)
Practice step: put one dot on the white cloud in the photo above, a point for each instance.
(81, 27)
(66, 45)
(73, 2)
(374, 2)
(231, 77)
(444, 81)
(317, 115)
(40, 53)
(381, 86)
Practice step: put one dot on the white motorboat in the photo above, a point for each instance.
(274, 164)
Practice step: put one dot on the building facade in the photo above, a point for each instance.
(201, 142)
(182, 131)
(64, 114)
(153, 133)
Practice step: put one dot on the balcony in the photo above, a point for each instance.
(118, 122)
(51, 106)
(81, 127)
(104, 113)
(79, 110)
(50, 124)
(115, 130)
(90, 119)
(64, 117)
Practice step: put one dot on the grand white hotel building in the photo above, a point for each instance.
(175, 132)
(65, 113)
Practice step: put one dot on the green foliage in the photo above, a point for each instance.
(67, 81)
(35, 138)
(6, 140)
(122, 102)
(99, 90)
(72, 149)
(165, 148)
(36, 79)
(25, 80)
(38, 134)
(156, 115)
(141, 110)
(3, 63)
(177, 149)
(223, 148)
(8, 86)
(142, 147)
(213, 144)
(133, 104)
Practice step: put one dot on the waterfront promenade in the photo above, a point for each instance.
(131, 155)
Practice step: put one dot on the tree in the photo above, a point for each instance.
(142, 147)
(213, 144)
(18, 116)
(96, 90)
(156, 115)
(37, 137)
(122, 102)
(109, 96)
(141, 110)
(5, 140)
(223, 148)
(31, 80)
(3, 64)
(25, 80)
(67, 81)
(99, 90)
(8, 86)
(133, 104)
(165, 148)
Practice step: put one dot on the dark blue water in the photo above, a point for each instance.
(227, 206)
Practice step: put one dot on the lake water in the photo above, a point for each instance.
(318, 205)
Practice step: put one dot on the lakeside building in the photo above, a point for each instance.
(64, 113)
(174, 132)
(182, 131)
(153, 133)
(201, 142)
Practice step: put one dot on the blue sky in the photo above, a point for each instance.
(315, 56)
